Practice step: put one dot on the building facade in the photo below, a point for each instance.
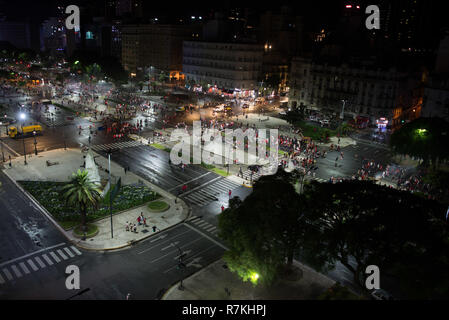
(436, 97)
(368, 92)
(224, 66)
(157, 47)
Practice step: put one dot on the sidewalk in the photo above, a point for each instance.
(210, 283)
(70, 161)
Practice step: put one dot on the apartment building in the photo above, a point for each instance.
(228, 66)
(366, 90)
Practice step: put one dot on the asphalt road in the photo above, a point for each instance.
(145, 271)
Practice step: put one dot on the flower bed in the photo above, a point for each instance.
(49, 195)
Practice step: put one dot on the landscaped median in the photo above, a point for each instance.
(49, 195)
(158, 206)
(209, 167)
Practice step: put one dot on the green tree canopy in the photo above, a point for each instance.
(406, 236)
(81, 192)
(424, 138)
(265, 230)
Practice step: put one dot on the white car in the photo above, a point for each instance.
(324, 122)
(283, 113)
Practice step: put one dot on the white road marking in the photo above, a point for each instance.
(16, 271)
(30, 254)
(174, 251)
(46, 258)
(8, 274)
(69, 252)
(75, 250)
(39, 261)
(55, 257)
(62, 254)
(211, 228)
(206, 236)
(32, 265)
(24, 267)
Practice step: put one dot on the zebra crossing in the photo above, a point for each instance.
(22, 266)
(116, 145)
(209, 193)
(203, 225)
(247, 175)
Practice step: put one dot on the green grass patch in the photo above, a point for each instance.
(221, 172)
(158, 206)
(91, 231)
(315, 132)
(49, 194)
(160, 146)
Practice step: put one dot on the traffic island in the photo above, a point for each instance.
(158, 206)
(91, 231)
(42, 185)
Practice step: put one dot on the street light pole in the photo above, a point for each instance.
(110, 193)
(3, 154)
(35, 143)
(343, 110)
(24, 151)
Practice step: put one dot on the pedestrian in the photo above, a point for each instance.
(135, 228)
(127, 226)
(222, 208)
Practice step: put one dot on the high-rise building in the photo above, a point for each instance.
(157, 47)
(281, 34)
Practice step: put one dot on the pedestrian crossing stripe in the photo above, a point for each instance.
(46, 258)
(75, 250)
(11, 271)
(54, 256)
(62, 254)
(116, 145)
(204, 225)
(16, 271)
(7, 274)
(24, 267)
(69, 252)
(39, 261)
(32, 265)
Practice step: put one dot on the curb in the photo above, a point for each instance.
(190, 276)
(77, 242)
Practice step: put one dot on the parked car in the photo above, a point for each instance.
(381, 294)
(324, 122)
(283, 113)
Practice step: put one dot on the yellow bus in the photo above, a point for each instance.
(15, 132)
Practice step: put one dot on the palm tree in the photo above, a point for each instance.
(81, 191)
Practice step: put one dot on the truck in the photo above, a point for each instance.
(15, 132)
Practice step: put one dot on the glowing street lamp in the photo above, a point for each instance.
(22, 117)
(254, 277)
(421, 132)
